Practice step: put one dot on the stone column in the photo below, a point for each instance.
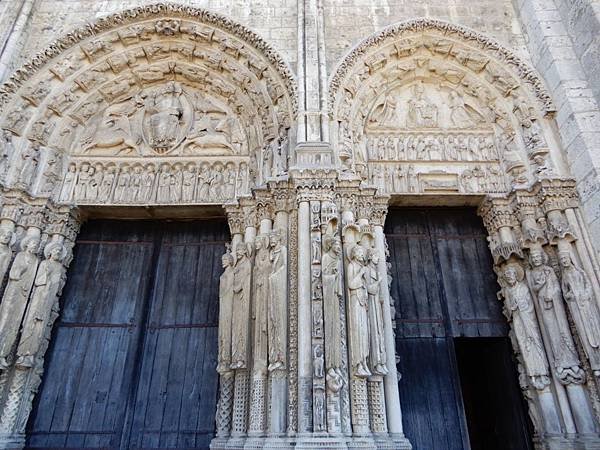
(392, 394)
(304, 321)
(58, 227)
(278, 382)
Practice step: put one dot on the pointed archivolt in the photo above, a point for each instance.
(158, 104)
(461, 113)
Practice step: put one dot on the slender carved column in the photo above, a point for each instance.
(392, 395)
(57, 227)
(278, 313)
(304, 338)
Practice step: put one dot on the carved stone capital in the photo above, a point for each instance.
(64, 221)
(498, 213)
(556, 194)
(235, 218)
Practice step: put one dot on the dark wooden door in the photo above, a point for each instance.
(443, 287)
(133, 356)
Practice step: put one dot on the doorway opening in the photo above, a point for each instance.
(132, 358)
(451, 335)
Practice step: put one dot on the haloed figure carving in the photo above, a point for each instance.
(577, 290)
(359, 320)
(14, 301)
(278, 305)
(260, 299)
(519, 309)
(43, 301)
(377, 354)
(242, 271)
(546, 288)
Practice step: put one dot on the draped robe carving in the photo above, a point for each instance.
(278, 304)
(545, 286)
(520, 309)
(262, 272)
(242, 272)
(332, 293)
(14, 301)
(43, 301)
(358, 304)
(6, 236)
(225, 313)
(577, 290)
(377, 354)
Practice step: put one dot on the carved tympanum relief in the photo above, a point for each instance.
(423, 107)
(126, 94)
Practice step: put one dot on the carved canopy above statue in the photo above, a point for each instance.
(158, 104)
(429, 107)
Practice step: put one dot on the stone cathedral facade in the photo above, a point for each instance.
(301, 124)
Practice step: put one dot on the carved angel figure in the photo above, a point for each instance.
(577, 290)
(14, 301)
(43, 300)
(385, 113)
(242, 272)
(377, 353)
(519, 309)
(277, 302)
(225, 312)
(545, 286)
(358, 303)
(460, 115)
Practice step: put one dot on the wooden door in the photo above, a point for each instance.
(443, 287)
(133, 356)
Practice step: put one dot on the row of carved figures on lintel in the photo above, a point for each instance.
(30, 298)
(410, 178)
(187, 182)
(535, 296)
(432, 147)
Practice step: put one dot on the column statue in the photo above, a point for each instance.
(14, 301)
(225, 312)
(278, 303)
(242, 272)
(520, 310)
(577, 291)
(546, 288)
(358, 306)
(377, 353)
(43, 301)
(7, 238)
(332, 294)
(262, 273)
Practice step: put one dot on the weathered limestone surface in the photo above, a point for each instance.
(303, 120)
